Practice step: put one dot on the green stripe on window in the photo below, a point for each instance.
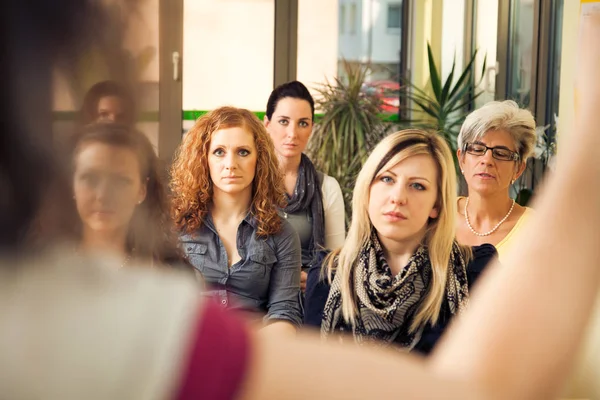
(191, 115)
(146, 116)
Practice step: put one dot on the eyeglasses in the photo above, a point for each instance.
(499, 153)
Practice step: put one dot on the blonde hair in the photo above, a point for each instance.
(440, 232)
(501, 115)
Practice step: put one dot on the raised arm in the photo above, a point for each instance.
(526, 318)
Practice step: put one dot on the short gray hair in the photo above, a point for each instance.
(501, 115)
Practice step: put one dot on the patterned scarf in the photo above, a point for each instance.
(386, 303)
(307, 196)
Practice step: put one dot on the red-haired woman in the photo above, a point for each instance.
(227, 186)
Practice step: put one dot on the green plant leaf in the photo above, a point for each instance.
(483, 69)
(446, 88)
(410, 87)
(462, 94)
(433, 73)
(465, 103)
(427, 109)
(425, 99)
(465, 75)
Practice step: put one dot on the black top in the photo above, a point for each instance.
(317, 290)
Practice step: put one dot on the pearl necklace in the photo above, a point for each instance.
(126, 261)
(494, 228)
(123, 264)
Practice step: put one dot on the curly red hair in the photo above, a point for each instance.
(192, 187)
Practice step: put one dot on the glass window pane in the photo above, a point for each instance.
(521, 51)
(353, 21)
(141, 46)
(554, 66)
(394, 16)
(486, 37)
(368, 32)
(342, 18)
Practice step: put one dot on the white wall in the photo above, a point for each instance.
(227, 53)
(317, 41)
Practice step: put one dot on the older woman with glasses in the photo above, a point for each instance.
(494, 144)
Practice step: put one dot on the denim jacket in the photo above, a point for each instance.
(267, 277)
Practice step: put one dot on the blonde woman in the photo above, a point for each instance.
(494, 143)
(400, 275)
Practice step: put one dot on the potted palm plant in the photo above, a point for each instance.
(348, 129)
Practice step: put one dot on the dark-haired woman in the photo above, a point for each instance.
(108, 101)
(315, 205)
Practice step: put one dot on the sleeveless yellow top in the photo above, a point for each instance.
(510, 239)
(506, 243)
